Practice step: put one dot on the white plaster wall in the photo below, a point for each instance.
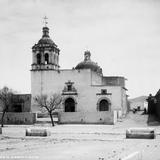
(87, 117)
(89, 97)
(96, 79)
(51, 81)
(124, 102)
(48, 82)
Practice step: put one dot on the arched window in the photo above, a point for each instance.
(103, 105)
(69, 105)
(38, 59)
(46, 58)
(55, 62)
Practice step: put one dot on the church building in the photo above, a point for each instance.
(88, 96)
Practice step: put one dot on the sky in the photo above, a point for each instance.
(123, 37)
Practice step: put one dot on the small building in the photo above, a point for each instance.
(139, 103)
(154, 104)
(88, 96)
(19, 110)
(20, 103)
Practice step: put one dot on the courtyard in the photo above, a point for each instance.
(79, 142)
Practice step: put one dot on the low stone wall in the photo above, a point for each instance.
(87, 117)
(19, 118)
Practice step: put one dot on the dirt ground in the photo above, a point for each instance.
(79, 142)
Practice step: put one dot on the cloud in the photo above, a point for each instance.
(123, 35)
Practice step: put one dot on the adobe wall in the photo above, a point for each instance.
(19, 118)
(87, 117)
(22, 100)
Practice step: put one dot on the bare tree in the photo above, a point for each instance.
(6, 95)
(50, 104)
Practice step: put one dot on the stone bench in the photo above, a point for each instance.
(133, 156)
(147, 133)
(0, 130)
(37, 132)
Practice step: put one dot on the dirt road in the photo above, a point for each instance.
(79, 142)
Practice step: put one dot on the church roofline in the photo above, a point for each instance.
(62, 69)
(114, 77)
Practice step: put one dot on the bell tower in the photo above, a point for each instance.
(45, 54)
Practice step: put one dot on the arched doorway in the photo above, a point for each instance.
(69, 105)
(103, 105)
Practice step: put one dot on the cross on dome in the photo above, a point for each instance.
(45, 21)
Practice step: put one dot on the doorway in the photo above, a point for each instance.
(69, 105)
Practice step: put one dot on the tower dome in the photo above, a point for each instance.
(88, 64)
(45, 37)
(45, 53)
(45, 40)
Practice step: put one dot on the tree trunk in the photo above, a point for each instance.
(51, 119)
(2, 118)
